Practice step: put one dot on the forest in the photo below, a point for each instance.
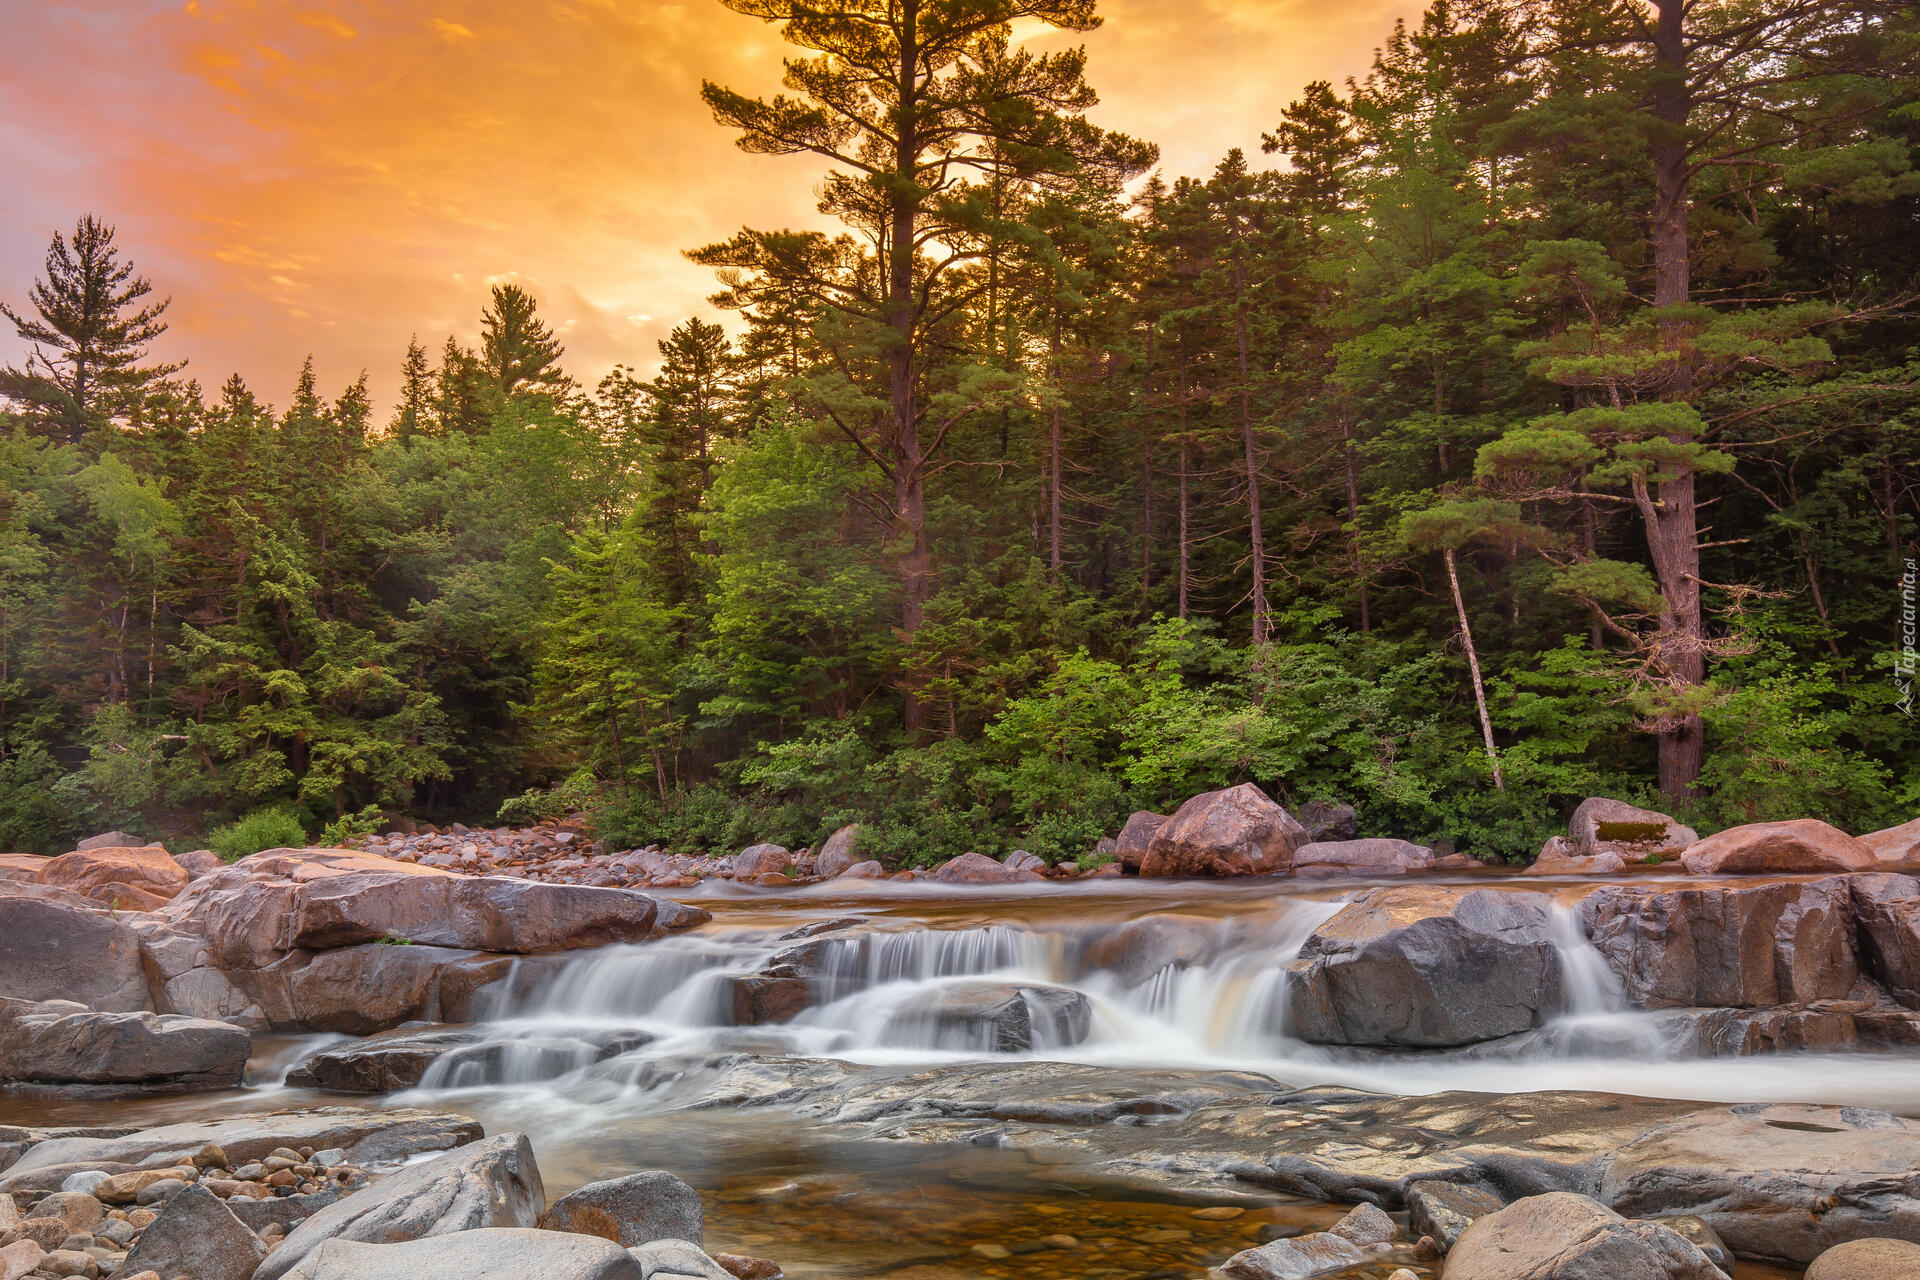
(1536, 417)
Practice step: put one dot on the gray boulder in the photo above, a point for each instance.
(1329, 820)
(1130, 846)
(50, 950)
(1887, 908)
(1141, 947)
(108, 840)
(490, 1183)
(636, 1209)
(1733, 945)
(498, 1253)
(1445, 1209)
(61, 1042)
(196, 1236)
(1564, 1236)
(1298, 1258)
(1426, 967)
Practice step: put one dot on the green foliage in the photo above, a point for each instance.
(352, 826)
(577, 792)
(267, 828)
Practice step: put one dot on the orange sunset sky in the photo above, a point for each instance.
(332, 177)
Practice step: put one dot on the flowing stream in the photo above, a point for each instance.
(597, 1056)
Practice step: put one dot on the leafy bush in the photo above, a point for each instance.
(352, 826)
(579, 791)
(271, 828)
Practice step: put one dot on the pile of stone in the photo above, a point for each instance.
(296, 1213)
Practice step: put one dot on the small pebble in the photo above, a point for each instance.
(993, 1251)
(1218, 1213)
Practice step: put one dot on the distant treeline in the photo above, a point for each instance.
(1545, 423)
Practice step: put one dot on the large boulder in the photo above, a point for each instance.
(50, 950)
(978, 868)
(1130, 846)
(1235, 832)
(1318, 1253)
(376, 987)
(762, 860)
(1726, 945)
(636, 1209)
(273, 903)
(1805, 844)
(196, 1235)
(1887, 908)
(498, 1253)
(1377, 857)
(128, 879)
(1329, 821)
(383, 1063)
(1601, 825)
(1896, 848)
(1426, 967)
(839, 853)
(993, 1017)
(61, 1042)
(456, 1057)
(1443, 1210)
(1563, 1236)
(490, 1183)
(1868, 1260)
(184, 976)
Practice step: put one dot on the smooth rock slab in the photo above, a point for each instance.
(1361, 858)
(1805, 844)
(195, 1235)
(638, 1209)
(491, 1183)
(61, 1042)
(499, 1253)
(1563, 1236)
(52, 951)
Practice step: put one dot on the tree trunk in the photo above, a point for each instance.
(910, 502)
(1254, 534)
(1353, 522)
(1053, 455)
(1184, 497)
(1673, 519)
(1473, 665)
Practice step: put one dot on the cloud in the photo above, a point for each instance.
(336, 178)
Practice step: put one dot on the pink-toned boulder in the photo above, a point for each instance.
(131, 878)
(978, 868)
(1376, 857)
(21, 866)
(1559, 856)
(868, 870)
(1803, 845)
(1604, 825)
(1896, 848)
(761, 860)
(1130, 846)
(1235, 832)
(840, 853)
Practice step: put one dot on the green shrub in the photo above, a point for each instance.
(272, 828)
(352, 826)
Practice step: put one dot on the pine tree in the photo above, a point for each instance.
(518, 350)
(88, 336)
(413, 415)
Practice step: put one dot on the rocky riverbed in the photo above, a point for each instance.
(1249, 1044)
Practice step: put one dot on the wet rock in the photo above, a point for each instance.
(366, 1137)
(1130, 846)
(490, 1183)
(1138, 949)
(486, 913)
(1425, 966)
(1816, 1026)
(52, 951)
(978, 868)
(774, 995)
(1235, 832)
(636, 1209)
(61, 1042)
(1895, 848)
(1563, 1236)
(1298, 1258)
(1361, 858)
(184, 978)
(1887, 908)
(366, 989)
(1732, 945)
(1442, 1210)
(839, 853)
(761, 860)
(1802, 845)
(1328, 820)
(196, 1236)
(1364, 1225)
(484, 1254)
(385, 1063)
(1601, 825)
(746, 1267)
(994, 1017)
(1868, 1260)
